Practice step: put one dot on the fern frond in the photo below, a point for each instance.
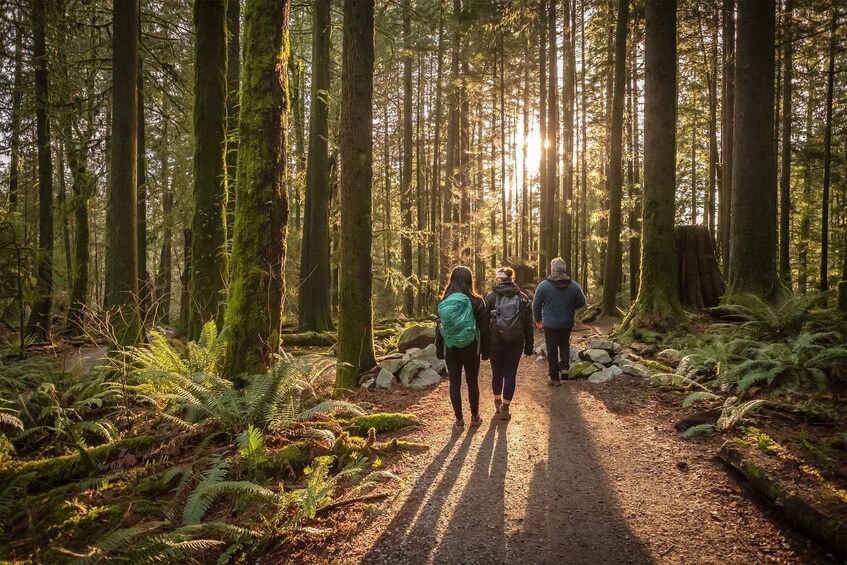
(337, 406)
(733, 413)
(698, 397)
(698, 430)
(198, 501)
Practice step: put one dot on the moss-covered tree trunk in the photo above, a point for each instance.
(727, 121)
(785, 176)
(254, 307)
(355, 317)
(144, 291)
(823, 283)
(233, 72)
(657, 304)
(165, 272)
(314, 307)
(39, 319)
(15, 120)
(121, 213)
(208, 225)
(406, 179)
(613, 251)
(752, 265)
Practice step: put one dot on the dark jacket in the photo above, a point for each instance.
(556, 300)
(483, 322)
(511, 289)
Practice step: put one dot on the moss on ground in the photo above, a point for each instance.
(57, 471)
(656, 367)
(383, 422)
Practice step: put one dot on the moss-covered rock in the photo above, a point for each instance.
(382, 422)
(581, 369)
(656, 367)
(415, 336)
(56, 471)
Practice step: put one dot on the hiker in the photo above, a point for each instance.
(511, 334)
(556, 300)
(461, 337)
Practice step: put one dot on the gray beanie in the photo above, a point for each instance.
(558, 265)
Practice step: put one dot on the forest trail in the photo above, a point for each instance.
(585, 473)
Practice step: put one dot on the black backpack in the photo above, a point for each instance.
(507, 323)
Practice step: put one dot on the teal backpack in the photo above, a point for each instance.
(458, 324)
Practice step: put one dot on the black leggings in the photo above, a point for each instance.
(467, 358)
(558, 350)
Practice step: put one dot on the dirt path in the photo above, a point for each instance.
(585, 473)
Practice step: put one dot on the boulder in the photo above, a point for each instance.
(633, 369)
(575, 351)
(411, 370)
(669, 357)
(581, 369)
(606, 345)
(415, 336)
(429, 355)
(384, 379)
(597, 356)
(394, 365)
(368, 383)
(425, 378)
(395, 355)
(606, 374)
(411, 352)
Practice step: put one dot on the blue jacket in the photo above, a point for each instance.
(556, 300)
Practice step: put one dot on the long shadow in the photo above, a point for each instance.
(416, 523)
(476, 530)
(572, 513)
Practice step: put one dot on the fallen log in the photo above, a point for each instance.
(309, 339)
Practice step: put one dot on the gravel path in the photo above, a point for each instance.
(585, 473)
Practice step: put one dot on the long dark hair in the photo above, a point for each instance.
(461, 280)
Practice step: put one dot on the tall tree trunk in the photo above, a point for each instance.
(694, 171)
(657, 303)
(144, 294)
(525, 246)
(553, 133)
(806, 215)
(569, 80)
(208, 226)
(165, 273)
(727, 122)
(406, 184)
(233, 71)
(827, 156)
(39, 319)
(15, 125)
(635, 195)
(713, 128)
(584, 177)
(121, 211)
(613, 251)
(257, 287)
(449, 234)
(63, 206)
(435, 225)
(314, 306)
(355, 324)
(752, 267)
(503, 206)
(544, 211)
(785, 178)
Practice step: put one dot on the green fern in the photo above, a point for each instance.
(699, 396)
(199, 501)
(251, 443)
(698, 430)
(733, 412)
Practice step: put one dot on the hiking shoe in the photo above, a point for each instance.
(497, 404)
(459, 425)
(504, 412)
(554, 382)
(475, 421)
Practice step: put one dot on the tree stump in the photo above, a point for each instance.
(701, 284)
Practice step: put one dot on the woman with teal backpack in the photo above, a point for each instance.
(461, 338)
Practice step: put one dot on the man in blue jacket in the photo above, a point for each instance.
(556, 300)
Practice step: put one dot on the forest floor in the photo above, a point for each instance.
(584, 473)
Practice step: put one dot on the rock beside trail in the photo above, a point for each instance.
(411, 370)
(425, 378)
(394, 365)
(669, 357)
(606, 374)
(605, 344)
(597, 356)
(384, 379)
(415, 337)
(633, 369)
(582, 369)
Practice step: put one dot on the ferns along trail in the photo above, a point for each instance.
(423, 281)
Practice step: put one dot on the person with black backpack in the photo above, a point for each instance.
(463, 336)
(511, 333)
(554, 306)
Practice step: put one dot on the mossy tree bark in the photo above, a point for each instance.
(144, 294)
(727, 121)
(752, 266)
(314, 306)
(39, 320)
(406, 183)
(613, 251)
(121, 212)
(253, 320)
(208, 225)
(233, 71)
(657, 304)
(785, 177)
(355, 327)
